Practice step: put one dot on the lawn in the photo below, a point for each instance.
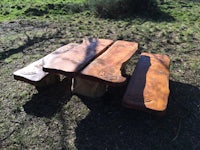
(19, 9)
(54, 120)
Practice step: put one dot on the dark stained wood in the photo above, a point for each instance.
(73, 61)
(33, 73)
(107, 67)
(148, 88)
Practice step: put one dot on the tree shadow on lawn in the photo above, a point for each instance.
(109, 126)
(153, 13)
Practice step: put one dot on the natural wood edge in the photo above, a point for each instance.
(37, 83)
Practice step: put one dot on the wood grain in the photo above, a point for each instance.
(107, 67)
(148, 88)
(73, 61)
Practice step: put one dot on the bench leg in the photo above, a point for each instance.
(88, 88)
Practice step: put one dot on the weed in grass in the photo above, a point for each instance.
(13, 58)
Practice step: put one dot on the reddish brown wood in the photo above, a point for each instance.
(33, 73)
(73, 61)
(107, 67)
(148, 87)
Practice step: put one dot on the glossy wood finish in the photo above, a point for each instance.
(148, 88)
(107, 67)
(73, 61)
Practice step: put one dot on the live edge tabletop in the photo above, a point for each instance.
(107, 67)
(77, 58)
(98, 59)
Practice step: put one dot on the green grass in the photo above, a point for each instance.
(51, 120)
(25, 9)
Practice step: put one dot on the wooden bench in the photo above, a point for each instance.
(97, 63)
(148, 88)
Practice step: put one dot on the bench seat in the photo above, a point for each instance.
(148, 88)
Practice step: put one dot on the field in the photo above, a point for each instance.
(53, 119)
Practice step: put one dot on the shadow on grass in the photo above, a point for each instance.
(109, 126)
(49, 100)
(152, 12)
(29, 42)
(155, 15)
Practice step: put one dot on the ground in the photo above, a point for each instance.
(53, 119)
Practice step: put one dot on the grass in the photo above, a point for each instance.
(52, 120)
(18, 9)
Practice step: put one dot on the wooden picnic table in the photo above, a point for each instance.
(97, 63)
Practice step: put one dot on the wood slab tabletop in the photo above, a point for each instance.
(71, 62)
(107, 67)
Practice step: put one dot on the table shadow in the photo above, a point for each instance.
(49, 100)
(110, 126)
